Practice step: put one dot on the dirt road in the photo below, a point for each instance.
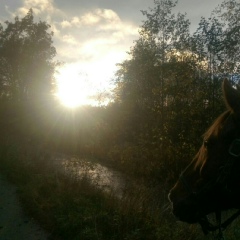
(14, 224)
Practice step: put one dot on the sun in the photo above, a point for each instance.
(87, 82)
(73, 89)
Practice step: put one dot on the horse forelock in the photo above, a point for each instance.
(214, 132)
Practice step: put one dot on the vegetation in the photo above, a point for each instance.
(167, 94)
(27, 65)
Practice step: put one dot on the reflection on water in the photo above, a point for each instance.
(103, 177)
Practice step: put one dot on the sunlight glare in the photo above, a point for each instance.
(73, 89)
(76, 89)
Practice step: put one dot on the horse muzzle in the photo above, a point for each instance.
(186, 213)
(185, 210)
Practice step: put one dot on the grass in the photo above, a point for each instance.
(71, 208)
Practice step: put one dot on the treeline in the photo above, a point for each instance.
(167, 93)
(171, 86)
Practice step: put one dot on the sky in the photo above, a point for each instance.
(91, 36)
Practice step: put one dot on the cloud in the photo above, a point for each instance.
(70, 40)
(93, 18)
(94, 34)
(89, 35)
(96, 41)
(65, 24)
(92, 41)
(98, 16)
(39, 7)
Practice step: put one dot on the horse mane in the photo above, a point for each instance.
(213, 132)
(216, 127)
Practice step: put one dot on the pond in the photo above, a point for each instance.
(101, 176)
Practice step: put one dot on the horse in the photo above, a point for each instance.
(211, 182)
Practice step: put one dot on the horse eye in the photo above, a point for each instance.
(208, 143)
(205, 143)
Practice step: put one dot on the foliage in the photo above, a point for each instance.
(71, 208)
(167, 93)
(171, 83)
(26, 53)
(228, 13)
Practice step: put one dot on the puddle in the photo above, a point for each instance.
(103, 177)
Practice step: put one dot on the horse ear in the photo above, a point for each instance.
(231, 96)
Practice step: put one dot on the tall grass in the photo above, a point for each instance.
(72, 208)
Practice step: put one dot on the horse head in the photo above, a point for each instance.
(211, 182)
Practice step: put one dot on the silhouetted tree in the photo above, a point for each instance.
(168, 87)
(228, 14)
(26, 59)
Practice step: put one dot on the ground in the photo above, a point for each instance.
(14, 223)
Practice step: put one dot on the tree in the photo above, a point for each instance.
(229, 15)
(167, 87)
(143, 79)
(206, 44)
(26, 59)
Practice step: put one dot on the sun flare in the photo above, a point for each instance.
(87, 83)
(73, 90)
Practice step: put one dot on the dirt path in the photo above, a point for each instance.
(14, 224)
